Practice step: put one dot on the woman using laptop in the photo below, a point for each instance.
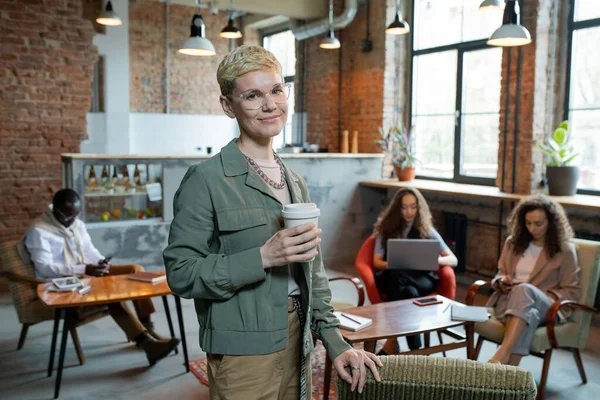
(538, 265)
(406, 217)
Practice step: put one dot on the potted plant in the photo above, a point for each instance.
(399, 145)
(562, 177)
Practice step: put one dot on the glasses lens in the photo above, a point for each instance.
(255, 100)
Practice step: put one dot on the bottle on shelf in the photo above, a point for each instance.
(126, 181)
(354, 141)
(136, 176)
(115, 177)
(105, 179)
(344, 144)
(92, 182)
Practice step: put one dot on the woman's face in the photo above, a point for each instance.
(536, 223)
(410, 208)
(269, 119)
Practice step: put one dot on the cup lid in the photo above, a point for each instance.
(300, 210)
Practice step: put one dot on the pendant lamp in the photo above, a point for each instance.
(230, 31)
(330, 42)
(197, 44)
(108, 17)
(511, 33)
(399, 26)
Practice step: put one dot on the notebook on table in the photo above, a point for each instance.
(352, 322)
(469, 313)
(152, 277)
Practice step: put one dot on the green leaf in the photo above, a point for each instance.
(560, 136)
(569, 159)
(553, 145)
(564, 125)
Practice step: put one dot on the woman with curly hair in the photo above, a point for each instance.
(408, 217)
(538, 265)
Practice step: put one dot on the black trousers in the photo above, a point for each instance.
(406, 284)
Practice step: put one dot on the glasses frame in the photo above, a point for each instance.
(285, 85)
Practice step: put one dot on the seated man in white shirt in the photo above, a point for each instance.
(58, 244)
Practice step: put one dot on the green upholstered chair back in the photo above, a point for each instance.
(588, 256)
(424, 378)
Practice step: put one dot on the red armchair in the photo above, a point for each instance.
(364, 264)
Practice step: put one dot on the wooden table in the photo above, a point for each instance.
(402, 318)
(105, 290)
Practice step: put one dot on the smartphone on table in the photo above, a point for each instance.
(427, 301)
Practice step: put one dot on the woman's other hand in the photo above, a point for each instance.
(290, 245)
(505, 284)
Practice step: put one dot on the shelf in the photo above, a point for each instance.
(124, 194)
(124, 223)
(489, 192)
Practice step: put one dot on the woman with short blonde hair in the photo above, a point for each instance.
(259, 290)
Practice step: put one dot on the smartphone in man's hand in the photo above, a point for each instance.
(106, 260)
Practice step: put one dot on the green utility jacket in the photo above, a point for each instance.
(224, 213)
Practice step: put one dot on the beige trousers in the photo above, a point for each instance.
(274, 376)
(120, 312)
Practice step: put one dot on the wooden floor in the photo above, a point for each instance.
(116, 369)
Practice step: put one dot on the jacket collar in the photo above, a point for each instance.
(233, 160)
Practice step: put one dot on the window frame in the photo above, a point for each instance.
(461, 48)
(573, 26)
(286, 79)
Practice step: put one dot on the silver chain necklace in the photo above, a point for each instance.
(264, 176)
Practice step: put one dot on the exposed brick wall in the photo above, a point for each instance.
(363, 77)
(193, 83)
(361, 82)
(147, 53)
(46, 65)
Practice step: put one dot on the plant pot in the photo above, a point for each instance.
(562, 181)
(406, 174)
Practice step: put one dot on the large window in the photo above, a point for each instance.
(455, 92)
(283, 45)
(582, 107)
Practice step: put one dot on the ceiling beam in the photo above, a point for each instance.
(296, 9)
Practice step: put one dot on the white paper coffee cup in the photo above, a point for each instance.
(300, 213)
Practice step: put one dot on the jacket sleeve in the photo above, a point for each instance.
(324, 323)
(569, 287)
(502, 263)
(192, 270)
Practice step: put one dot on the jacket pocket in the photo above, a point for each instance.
(242, 228)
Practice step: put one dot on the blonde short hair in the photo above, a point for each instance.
(242, 60)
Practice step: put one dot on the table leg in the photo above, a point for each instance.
(169, 320)
(57, 313)
(370, 346)
(470, 333)
(182, 331)
(327, 377)
(63, 348)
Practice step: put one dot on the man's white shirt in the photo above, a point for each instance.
(46, 250)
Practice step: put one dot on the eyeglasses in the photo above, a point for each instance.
(66, 218)
(254, 99)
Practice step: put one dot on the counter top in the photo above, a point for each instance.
(83, 156)
(489, 192)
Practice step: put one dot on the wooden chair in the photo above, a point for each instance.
(571, 335)
(30, 309)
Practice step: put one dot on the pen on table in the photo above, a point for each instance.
(351, 319)
(445, 309)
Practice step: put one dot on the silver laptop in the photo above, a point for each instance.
(414, 254)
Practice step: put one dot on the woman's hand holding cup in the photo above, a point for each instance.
(290, 245)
